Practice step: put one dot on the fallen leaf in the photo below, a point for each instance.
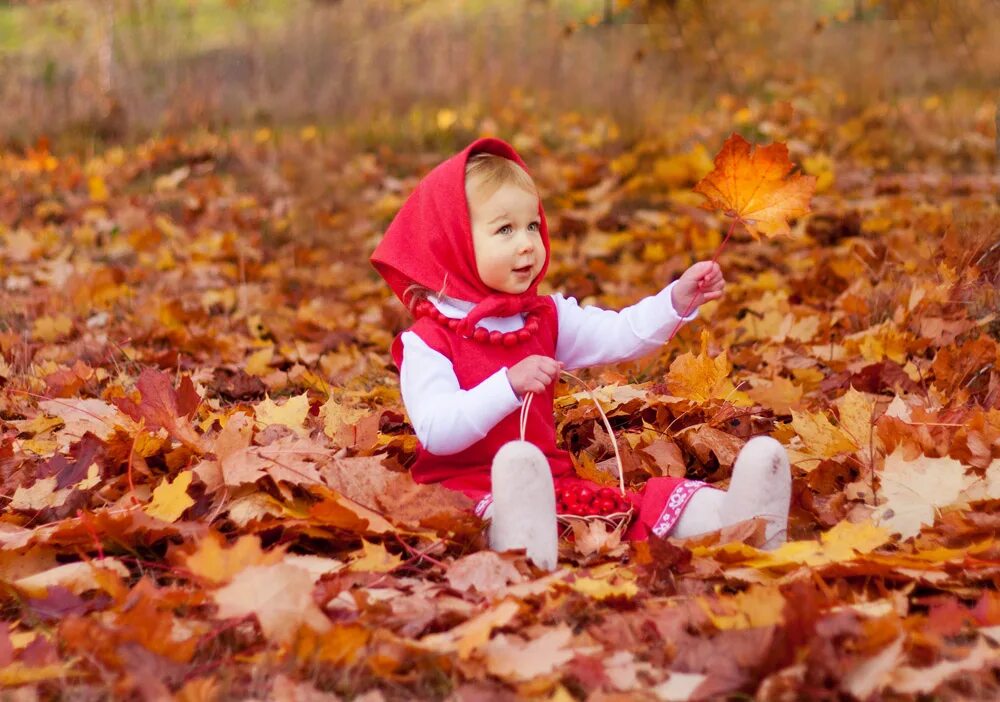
(911, 492)
(170, 498)
(279, 594)
(750, 182)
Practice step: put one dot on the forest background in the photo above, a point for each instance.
(202, 444)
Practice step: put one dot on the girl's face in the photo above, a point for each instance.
(506, 235)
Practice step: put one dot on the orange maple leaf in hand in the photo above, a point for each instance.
(749, 183)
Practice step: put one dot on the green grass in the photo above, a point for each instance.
(194, 25)
(197, 25)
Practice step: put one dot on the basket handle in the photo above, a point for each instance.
(607, 425)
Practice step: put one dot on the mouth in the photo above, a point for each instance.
(523, 270)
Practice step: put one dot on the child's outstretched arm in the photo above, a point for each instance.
(591, 336)
(448, 419)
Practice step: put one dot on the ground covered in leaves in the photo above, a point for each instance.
(203, 448)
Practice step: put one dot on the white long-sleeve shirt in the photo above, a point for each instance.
(448, 419)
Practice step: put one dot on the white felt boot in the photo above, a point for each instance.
(761, 486)
(524, 504)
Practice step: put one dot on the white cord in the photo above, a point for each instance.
(524, 413)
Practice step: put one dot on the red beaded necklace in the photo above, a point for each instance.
(425, 308)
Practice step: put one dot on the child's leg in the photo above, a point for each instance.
(761, 486)
(701, 514)
(524, 503)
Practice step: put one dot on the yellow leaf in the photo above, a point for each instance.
(291, 414)
(18, 673)
(446, 119)
(701, 378)
(49, 329)
(820, 436)
(219, 564)
(760, 605)
(821, 166)
(749, 182)
(98, 188)
(338, 418)
(470, 635)
(374, 558)
(170, 499)
(258, 363)
(779, 394)
(844, 542)
(856, 410)
(599, 588)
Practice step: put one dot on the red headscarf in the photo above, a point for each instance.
(429, 242)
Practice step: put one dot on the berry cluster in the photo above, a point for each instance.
(582, 500)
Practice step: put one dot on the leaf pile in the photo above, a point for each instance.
(203, 447)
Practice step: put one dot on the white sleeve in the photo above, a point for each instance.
(590, 336)
(446, 418)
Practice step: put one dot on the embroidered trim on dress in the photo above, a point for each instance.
(484, 504)
(675, 505)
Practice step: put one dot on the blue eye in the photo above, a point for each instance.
(503, 229)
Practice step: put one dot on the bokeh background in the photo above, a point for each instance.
(436, 72)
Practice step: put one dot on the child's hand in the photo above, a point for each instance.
(533, 374)
(697, 285)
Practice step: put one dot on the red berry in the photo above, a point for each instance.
(606, 505)
(585, 493)
(607, 492)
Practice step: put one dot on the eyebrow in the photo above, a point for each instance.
(502, 215)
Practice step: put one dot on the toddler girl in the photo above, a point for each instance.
(465, 253)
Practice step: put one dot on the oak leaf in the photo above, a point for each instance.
(749, 183)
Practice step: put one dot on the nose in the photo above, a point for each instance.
(525, 244)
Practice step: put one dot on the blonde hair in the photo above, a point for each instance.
(487, 172)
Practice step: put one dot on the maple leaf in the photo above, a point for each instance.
(75, 577)
(291, 413)
(821, 438)
(749, 184)
(279, 594)
(487, 572)
(701, 378)
(912, 491)
(374, 558)
(170, 498)
(759, 605)
(511, 658)
(473, 633)
(162, 406)
(218, 564)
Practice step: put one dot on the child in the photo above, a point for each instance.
(466, 253)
